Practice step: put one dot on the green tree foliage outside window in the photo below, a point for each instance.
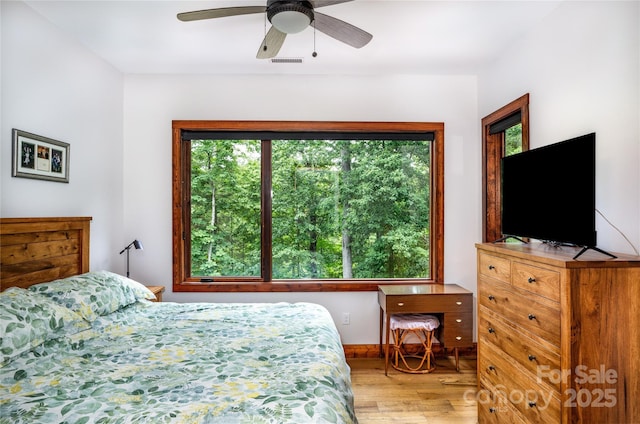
(513, 140)
(225, 207)
(513, 145)
(340, 208)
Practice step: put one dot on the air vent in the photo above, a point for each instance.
(286, 60)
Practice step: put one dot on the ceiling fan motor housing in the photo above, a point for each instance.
(290, 16)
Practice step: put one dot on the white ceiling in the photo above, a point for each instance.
(413, 36)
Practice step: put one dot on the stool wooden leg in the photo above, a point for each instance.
(399, 361)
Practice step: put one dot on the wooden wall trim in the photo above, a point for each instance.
(492, 152)
(362, 351)
(182, 282)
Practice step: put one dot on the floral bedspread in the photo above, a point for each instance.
(186, 363)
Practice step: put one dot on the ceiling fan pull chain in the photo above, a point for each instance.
(315, 53)
(264, 48)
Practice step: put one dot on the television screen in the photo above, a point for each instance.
(548, 193)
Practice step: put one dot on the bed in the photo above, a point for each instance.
(90, 347)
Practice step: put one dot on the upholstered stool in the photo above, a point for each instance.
(420, 325)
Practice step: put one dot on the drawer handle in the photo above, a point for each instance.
(400, 303)
(492, 297)
(532, 404)
(458, 338)
(492, 410)
(458, 303)
(492, 267)
(531, 317)
(491, 330)
(458, 320)
(531, 280)
(532, 357)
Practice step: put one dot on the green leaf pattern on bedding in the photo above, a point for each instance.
(28, 319)
(186, 363)
(94, 293)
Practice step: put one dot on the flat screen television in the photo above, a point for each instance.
(549, 193)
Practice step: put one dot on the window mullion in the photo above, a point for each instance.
(265, 213)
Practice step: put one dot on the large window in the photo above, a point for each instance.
(306, 206)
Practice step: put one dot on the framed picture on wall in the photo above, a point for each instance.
(40, 157)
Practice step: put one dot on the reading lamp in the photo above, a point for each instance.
(137, 245)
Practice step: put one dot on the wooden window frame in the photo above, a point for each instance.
(182, 282)
(493, 150)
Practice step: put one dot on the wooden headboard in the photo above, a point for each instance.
(37, 250)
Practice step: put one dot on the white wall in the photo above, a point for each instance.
(152, 102)
(54, 87)
(582, 69)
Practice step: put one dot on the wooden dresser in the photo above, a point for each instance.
(558, 339)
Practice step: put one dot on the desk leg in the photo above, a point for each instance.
(386, 344)
(457, 359)
(381, 321)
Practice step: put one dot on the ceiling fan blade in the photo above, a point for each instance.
(323, 3)
(271, 44)
(220, 13)
(341, 30)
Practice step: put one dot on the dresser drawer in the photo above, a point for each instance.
(455, 303)
(532, 313)
(534, 355)
(494, 267)
(542, 281)
(459, 330)
(494, 408)
(534, 402)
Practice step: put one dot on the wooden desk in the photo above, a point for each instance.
(453, 303)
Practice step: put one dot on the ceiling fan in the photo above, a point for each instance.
(289, 17)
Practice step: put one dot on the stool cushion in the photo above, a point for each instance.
(414, 322)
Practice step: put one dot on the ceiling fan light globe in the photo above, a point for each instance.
(290, 17)
(290, 22)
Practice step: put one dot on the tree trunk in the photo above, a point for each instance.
(213, 202)
(347, 264)
(313, 245)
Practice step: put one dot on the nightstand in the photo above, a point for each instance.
(157, 290)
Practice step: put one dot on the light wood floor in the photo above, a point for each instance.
(444, 396)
